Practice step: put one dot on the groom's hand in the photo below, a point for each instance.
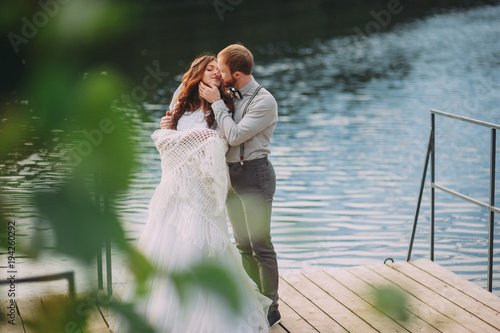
(209, 93)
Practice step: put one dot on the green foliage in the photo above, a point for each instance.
(75, 99)
(4, 227)
(13, 131)
(10, 12)
(63, 107)
(80, 227)
(140, 267)
(63, 111)
(90, 22)
(393, 302)
(211, 276)
(136, 322)
(58, 314)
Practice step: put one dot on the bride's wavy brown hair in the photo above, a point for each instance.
(188, 99)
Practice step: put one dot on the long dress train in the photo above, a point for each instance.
(187, 225)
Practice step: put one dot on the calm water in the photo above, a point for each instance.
(350, 146)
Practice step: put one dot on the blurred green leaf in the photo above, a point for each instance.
(63, 100)
(14, 128)
(393, 302)
(106, 133)
(211, 276)
(58, 314)
(79, 226)
(4, 227)
(140, 267)
(49, 88)
(136, 322)
(11, 12)
(84, 22)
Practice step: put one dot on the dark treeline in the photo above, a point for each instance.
(174, 32)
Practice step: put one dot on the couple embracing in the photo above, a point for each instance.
(213, 145)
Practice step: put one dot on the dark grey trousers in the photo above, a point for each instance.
(249, 204)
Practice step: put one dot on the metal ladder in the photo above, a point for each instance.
(489, 206)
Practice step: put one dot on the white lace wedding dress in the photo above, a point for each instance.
(187, 225)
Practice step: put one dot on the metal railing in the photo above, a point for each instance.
(102, 201)
(489, 206)
(70, 276)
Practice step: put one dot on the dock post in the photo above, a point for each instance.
(492, 204)
(433, 179)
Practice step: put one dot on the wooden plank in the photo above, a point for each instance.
(356, 304)
(333, 308)
(292, 321)
(17, 327)
(343, 300)
(449, 292)
(458, 282)
(95, 321)
(55, 311)
(29, 311)
(52, 305)
(433, 299)
(110, 317)
(102, 330)
(308, 310)
(278, 329)
(368, 293)
(56, 308)
(416, 306)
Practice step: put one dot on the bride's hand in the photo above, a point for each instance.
(167, 122)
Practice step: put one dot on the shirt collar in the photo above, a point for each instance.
(252, 84)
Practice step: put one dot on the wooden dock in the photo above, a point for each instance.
(345, 300)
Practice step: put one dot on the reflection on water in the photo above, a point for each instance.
(350, 145)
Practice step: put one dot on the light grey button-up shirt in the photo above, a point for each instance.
(255, 129)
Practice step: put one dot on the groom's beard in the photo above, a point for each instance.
(230, 83)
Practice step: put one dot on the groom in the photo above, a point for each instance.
(249, 132)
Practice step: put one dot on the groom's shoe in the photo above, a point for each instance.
(273, 317)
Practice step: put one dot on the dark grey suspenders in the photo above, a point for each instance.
(242, 146)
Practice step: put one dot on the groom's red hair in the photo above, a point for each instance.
(237, 58)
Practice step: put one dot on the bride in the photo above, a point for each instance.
(187, 221)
